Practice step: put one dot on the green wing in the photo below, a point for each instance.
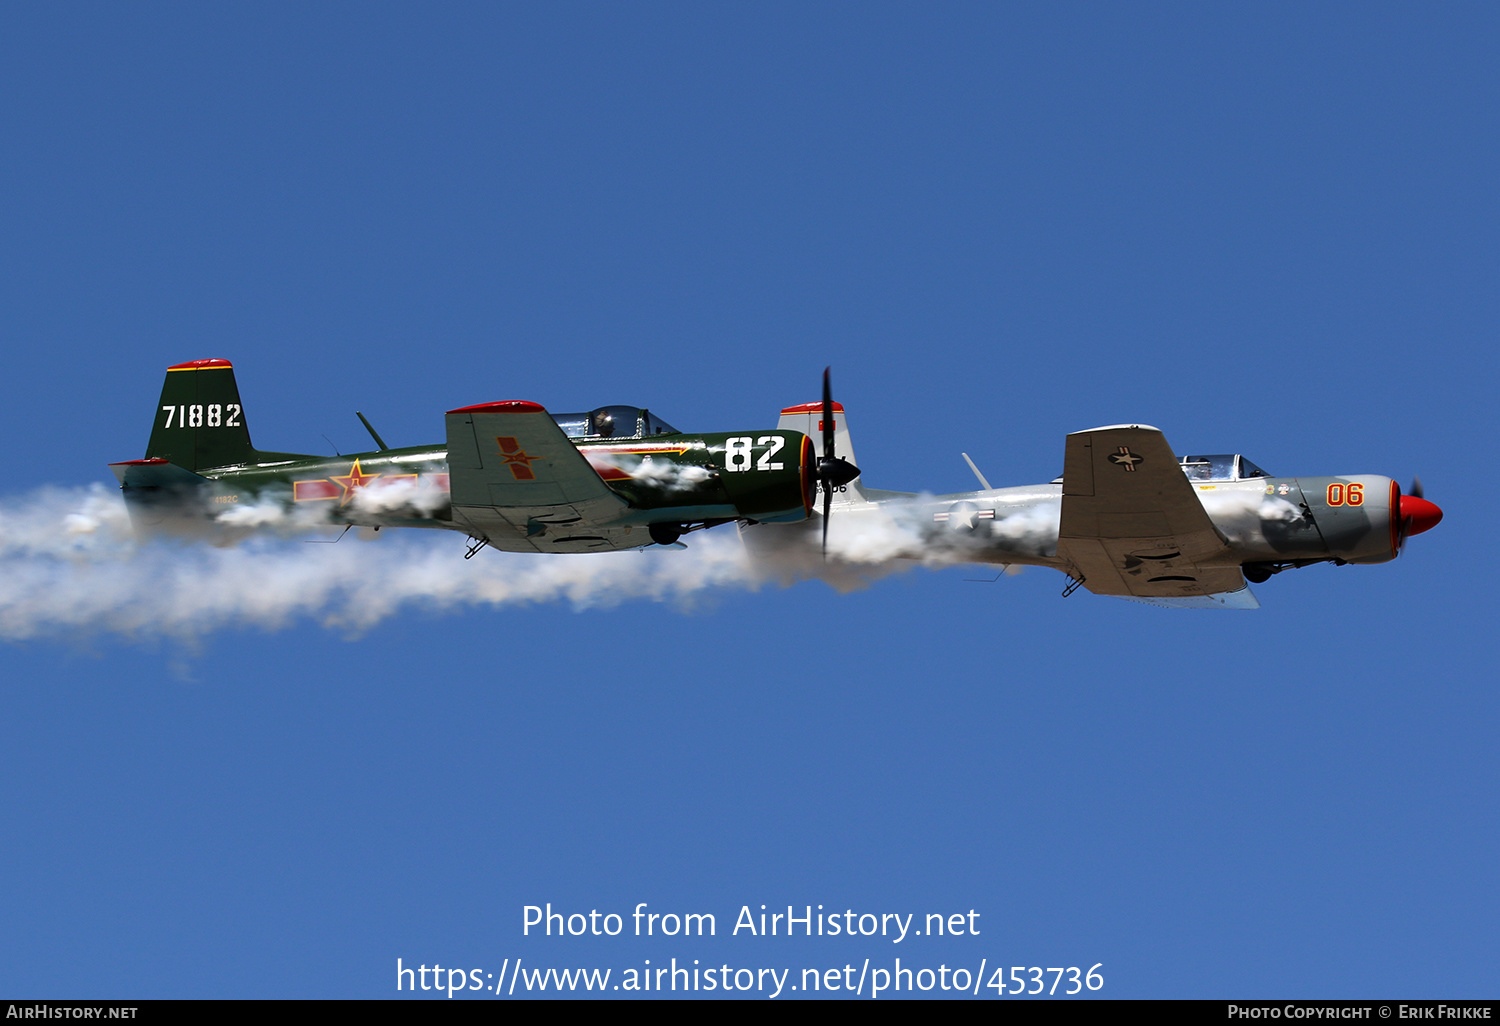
(511, 469)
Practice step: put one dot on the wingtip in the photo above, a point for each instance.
(1117, 427)
(505, 406)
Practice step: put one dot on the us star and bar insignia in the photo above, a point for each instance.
(1125, 458)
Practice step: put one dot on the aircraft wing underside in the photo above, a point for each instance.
(1132, 524)
(517, 481)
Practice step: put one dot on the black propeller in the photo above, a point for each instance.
(831, 470)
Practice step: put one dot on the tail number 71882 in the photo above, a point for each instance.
(198, 415)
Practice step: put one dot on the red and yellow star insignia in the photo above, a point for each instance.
(516, 459)
(352, 482)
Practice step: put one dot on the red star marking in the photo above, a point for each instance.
(516, 459)
(352, 482)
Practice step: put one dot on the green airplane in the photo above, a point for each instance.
(511, 475)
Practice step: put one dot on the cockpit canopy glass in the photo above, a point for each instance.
(613, 422)
(1220, 467)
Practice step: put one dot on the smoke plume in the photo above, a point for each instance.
(667, 475)
(71, 564)
(1242, 514)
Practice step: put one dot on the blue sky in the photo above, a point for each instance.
(1266, 229)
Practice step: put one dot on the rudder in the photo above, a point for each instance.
(808, 419)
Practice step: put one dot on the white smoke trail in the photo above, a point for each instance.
(664, 474)
(1031, 528)
(670, 476)
(867, 541)
(421, 496)
(1241, 514)
(417, 497)
(71, 565)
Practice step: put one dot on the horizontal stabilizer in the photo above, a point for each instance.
(161, 496)
(156, 474)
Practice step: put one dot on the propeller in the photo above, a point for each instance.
(1416, 514)
(831, 471)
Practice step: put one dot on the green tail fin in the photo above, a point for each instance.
(200, 423)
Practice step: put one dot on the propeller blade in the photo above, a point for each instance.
(827, 506)
(1416, 488)
(827, 416)
(831, 471)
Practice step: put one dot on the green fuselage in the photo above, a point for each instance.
(679, 480)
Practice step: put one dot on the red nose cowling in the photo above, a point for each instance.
(1421, 514)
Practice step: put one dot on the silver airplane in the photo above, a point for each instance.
(1128, 517)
